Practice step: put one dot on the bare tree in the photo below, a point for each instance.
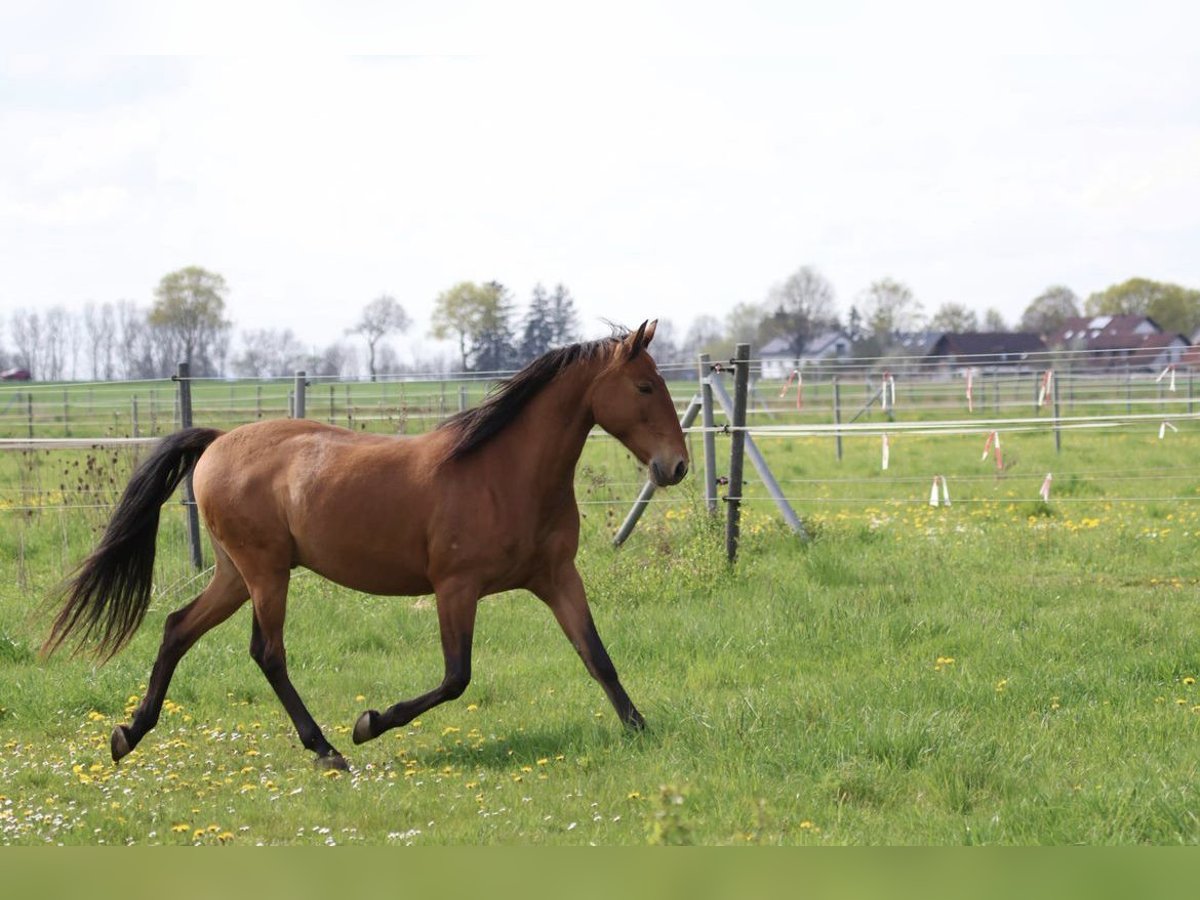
(268, 352)
(890, 308)
(100, 330)
(803, 306)
(1048, 310)
(28, 335)
(380, 317)
(954, 318)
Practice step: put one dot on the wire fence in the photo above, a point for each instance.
(859, 402)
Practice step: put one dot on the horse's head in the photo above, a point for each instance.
(630, 401)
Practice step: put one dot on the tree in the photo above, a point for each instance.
(703, 335)
(493, 344)
(564, 320)
(954, 318)
(890, 308)
(189, 311)
(993, 320)
(1174, 307)
(538, 332)
(803, 305)
(1048, 310)
(380, 317)
(28, 335)
(268, 352)
(456, 313)
(480, 318)
(100, 329)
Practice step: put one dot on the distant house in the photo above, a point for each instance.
(1119, 342)
(986, 350)
(1147, 352)
(1080, 332)
(779, 358)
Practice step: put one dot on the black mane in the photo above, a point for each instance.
(480, 424)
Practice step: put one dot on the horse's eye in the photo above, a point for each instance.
(645, 387)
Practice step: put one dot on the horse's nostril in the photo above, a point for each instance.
(680, 470)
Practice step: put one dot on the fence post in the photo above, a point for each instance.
(710, 437)
(837, 414)
(66, 414)
(1057, 411)
(29, 411)
(189, 496)
(764, 471)
(462, 397)
(1190, 390)
(741, 381)
(298, 408)
(135, 430)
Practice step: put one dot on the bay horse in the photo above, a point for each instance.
(482, 504)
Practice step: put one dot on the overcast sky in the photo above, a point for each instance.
(661, 160)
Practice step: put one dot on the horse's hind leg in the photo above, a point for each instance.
(225, 593)
(456, 605)
(269, 594)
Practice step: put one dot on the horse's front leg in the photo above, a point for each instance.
(456, 605)
(563, 592)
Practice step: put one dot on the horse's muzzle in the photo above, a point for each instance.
(667, 475)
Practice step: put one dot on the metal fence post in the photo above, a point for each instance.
(1057, 413)
(741, 382)
(837, 414)
(298, 407)
(710, 437)
(189, 497)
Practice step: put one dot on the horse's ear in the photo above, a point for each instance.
(649, 336)
(636, 341)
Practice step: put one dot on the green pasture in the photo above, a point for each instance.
(1002, 670)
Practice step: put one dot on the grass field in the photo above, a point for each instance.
(999, 671)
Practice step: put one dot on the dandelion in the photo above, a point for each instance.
(1189, 680)
(180, 827)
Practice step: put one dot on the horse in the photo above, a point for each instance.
(483, 503)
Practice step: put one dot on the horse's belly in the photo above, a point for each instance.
(395, 570)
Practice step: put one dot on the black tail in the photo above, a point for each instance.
(106, 600)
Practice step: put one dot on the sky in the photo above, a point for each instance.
(662, 160)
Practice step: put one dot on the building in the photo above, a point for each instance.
(986, 350)
(778, 359)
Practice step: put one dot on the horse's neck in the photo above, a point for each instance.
(550, 433)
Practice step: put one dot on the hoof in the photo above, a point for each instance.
(334, 761)
(364, 728)
(635, 722)
(119, 743)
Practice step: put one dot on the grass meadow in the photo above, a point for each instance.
(1003, 670)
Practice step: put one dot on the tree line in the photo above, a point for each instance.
(803, 306)
(187, 321)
